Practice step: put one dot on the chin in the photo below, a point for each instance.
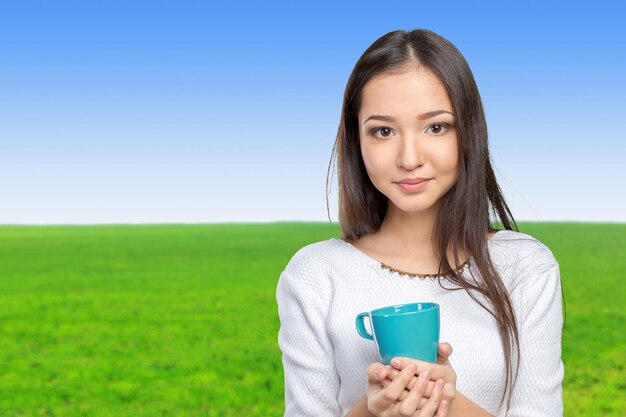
(412, 208)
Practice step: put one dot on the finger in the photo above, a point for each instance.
(374, 386)
(409, 405)
(432, 404)
(436, 370)
(443, 353)
(385, 375)
(401, 362)
(381, 373)
(422, 401)
(375, 370)
(425, 396)
(445, 349)
(394, 373)
(442, 411)
(393, 390)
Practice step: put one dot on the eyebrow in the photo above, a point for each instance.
(420, 117)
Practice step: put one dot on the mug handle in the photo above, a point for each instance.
(360, 326)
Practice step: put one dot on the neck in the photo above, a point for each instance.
(409, 233)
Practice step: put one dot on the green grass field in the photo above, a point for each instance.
(181, 320)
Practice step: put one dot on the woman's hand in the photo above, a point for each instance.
(385, 401)
(442, 369)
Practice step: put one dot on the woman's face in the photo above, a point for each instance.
(403, 135)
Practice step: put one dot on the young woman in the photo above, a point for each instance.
(416, 189)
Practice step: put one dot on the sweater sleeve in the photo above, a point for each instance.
(538, 391)
(311, 380)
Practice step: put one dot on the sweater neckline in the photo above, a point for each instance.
(388, 268)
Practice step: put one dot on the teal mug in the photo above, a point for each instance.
(407, 330)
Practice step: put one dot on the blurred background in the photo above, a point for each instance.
(203, 112)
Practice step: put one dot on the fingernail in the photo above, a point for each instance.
(444, 406)
(411, 368)
(384, 382)
(396, 362)
(425, 375)
(440, 385)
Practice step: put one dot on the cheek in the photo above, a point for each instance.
(448, 159)
(375, 161)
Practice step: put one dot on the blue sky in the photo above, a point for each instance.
(188, 111)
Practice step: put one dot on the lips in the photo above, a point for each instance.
(414, 188)
(413, 181)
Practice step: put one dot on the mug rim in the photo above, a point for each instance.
(380, 311)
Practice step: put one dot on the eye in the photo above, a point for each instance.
(437, 127)
(384, 131)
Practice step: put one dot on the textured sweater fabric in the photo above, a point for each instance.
(326, 284)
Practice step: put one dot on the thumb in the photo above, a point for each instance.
(444, 352)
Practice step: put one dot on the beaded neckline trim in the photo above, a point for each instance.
(460, 269)
(382, 265)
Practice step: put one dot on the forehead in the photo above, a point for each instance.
(414, 91)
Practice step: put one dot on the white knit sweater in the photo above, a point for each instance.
(326, 284)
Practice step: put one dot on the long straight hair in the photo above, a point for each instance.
(464, 217)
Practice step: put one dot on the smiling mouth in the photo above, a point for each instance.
(411, 188)
(411, 181)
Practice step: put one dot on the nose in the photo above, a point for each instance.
(411, 153)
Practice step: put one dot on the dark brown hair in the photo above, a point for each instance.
(464, 217)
